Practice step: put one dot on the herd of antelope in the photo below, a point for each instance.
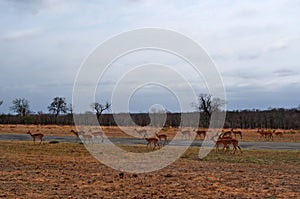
(91, 136)
(267, 134)
(225, 138)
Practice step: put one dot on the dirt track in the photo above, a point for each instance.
(131, 141)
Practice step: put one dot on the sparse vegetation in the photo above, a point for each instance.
(100, 108)
(20, 106)
(68, 170)
(53, 142)
(57, 106)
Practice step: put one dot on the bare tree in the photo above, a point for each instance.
(58, 106)
(99, 108)
(207, 104)
(70, 108)
(20, 106)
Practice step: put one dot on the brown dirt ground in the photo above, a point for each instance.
(67, 170)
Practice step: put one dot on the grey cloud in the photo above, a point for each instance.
(22, 34)
(279, 45)
(28, 6)
(284, 72)
(248, 56)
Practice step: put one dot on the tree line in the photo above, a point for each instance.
(61, 113)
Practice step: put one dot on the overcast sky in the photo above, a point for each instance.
(254, 44)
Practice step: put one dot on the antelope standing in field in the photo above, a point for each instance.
(225, 134)
(153, 140)
(85, 137)
(142, 133)
(226, 142)
(237, 133)
(278, 133)
(34, 136)
(96, 135)
(201, 133)
(162, 136)
(268, 135)
(76, 134)
(186, 134)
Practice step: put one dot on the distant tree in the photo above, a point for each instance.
(58, 106)
(20, 106)
(99, 108)
(70, 108)
(207, 104)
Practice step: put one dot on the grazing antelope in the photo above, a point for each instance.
(153, 140)
(142, 133)
(162, 136)
(34, 136)
(201, 133)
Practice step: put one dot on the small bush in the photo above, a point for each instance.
(53, 142)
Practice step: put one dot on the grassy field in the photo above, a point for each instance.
(20, 148)
(68, 170)
(64, 170)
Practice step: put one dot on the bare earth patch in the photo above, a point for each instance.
(67, 170)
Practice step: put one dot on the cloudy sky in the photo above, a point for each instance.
(254, 44)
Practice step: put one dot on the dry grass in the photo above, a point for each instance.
(114, 131)
(66, 170)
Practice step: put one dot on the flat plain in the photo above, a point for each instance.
(68, 170)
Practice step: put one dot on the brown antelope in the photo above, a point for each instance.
(225, 134)
(201, 133)
(226, 142)
(162, 136)
(76, 134)
(34, 136)
(153, 140)
(268, 135)
(186, 134)
(278, 133)
(237, 133)
(142, 133)
(97, 135)
(86, 137)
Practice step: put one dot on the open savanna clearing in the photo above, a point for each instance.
(65, 170)
(120, 132)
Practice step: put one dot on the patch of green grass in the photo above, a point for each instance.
(27, 147)
(137, 148)
(249, 156)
